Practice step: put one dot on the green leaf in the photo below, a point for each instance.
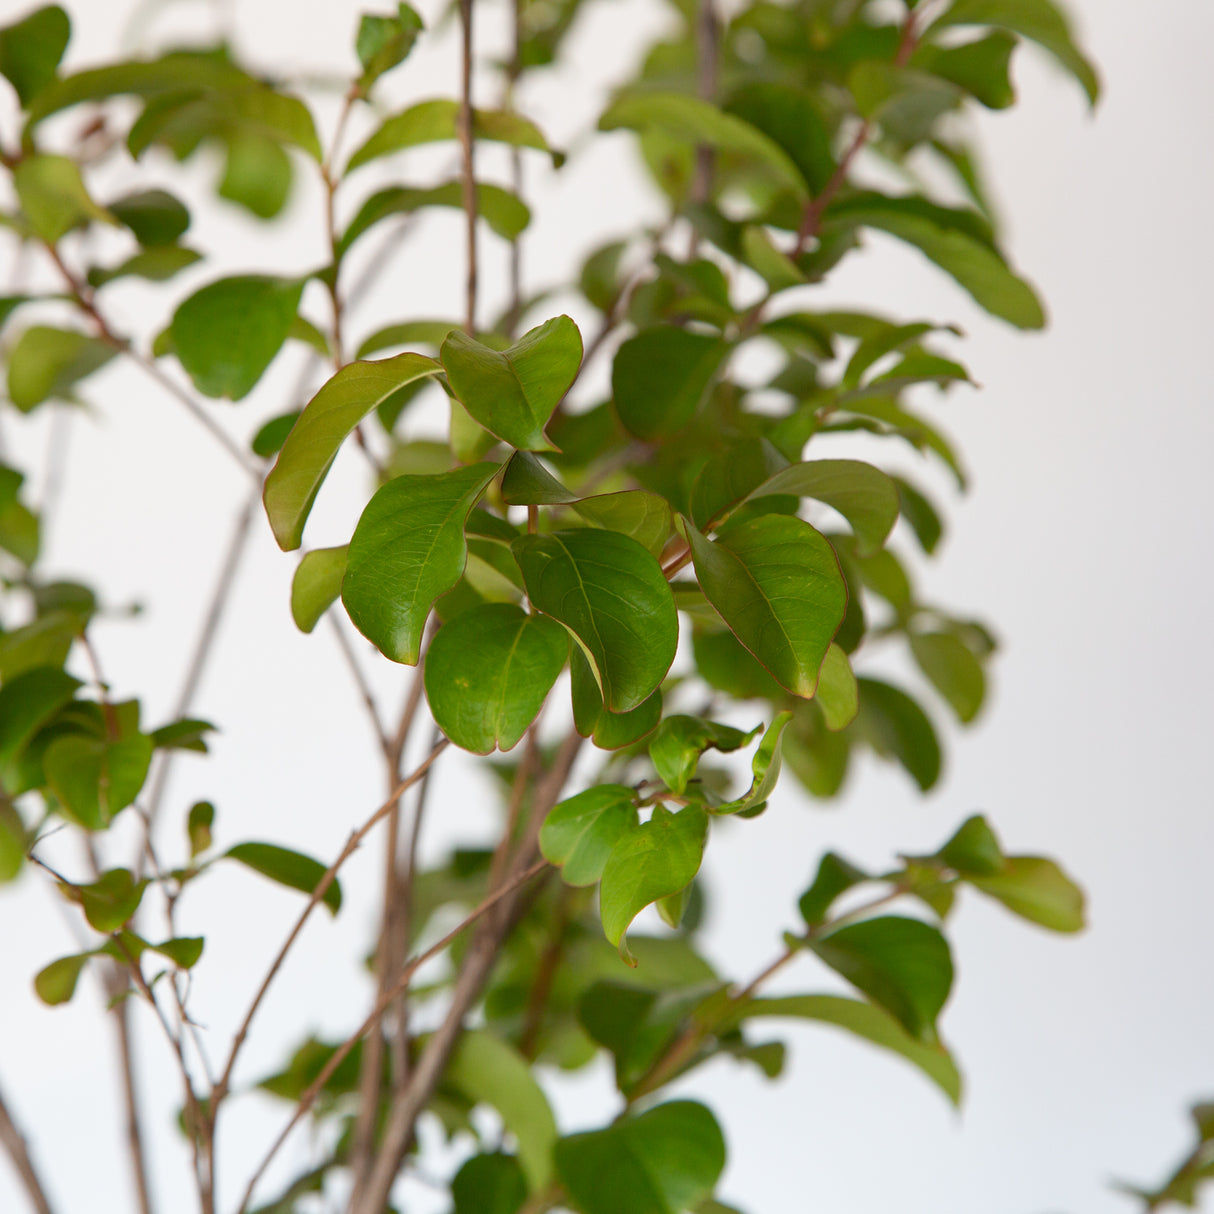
(580, 832)
(30, 50)
(316, 585)
(680, 741)
(27, 702)
(182, 951)
(489, 1071)
(13, 841)
(974, 850)
(526, 482)
(513, 392)
(53, 196)
(502, 211)
(1040, 21)
(198, 827)
(728, 478)
(645, 517)
(47, 363)
(771, 263)
(187, 733)
(692, 121)
(869, 1022)
(93, 778)
(765, 770)
(56, 983)
(1038, 890)
(438, 119)
(111, 900)
(942, 237)
(902, 964)
(42, 642)
(790, 116)
(228, 333)
(864, 495)
(270, 438)
(896, 726)
(608, 730)
(835, 876)
(776, 583)
(489, 1184)
(663, 1162)
(407, 333)
(154, 217)
(838, 693)
(256, 174)
(655, 860)
(384, 42)
(611, 595)
(288, 868)
(325, 423)
(660, 376)
(157, 264)
(980, 67)
(407, 550)
(488, 673)
(920, 514)
(953, 670)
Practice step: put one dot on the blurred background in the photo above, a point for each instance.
(1087, 541)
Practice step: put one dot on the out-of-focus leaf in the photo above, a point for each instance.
(1038, 890)
(902, 964)
(953, 670)
(384, 42)
(154, 217)
(198, 827)
(53, 196)
(95, 778)
(662, 1162)
(489, 1184)
(228, 333)
(30, 50)
(895, 726)
(287, 867)
(157, 264)
(47, 363)
(489, 1071)
(256, 174)
(13, 841)
(660, 376)
(56, 983)
(111, 900)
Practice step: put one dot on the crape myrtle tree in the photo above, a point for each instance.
(612, 593)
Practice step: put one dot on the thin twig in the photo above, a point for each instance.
(360, 681)
(322, 886)
(406, 975)
(468, 173)
(14, 1144)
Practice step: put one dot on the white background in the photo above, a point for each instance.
(1086, 539)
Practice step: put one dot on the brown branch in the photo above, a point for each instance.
(322, 886)
(342, 1052)
(14, 1144)
(474, 973)
(811, 219)
(468, 173)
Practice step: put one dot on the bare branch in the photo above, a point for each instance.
(14, 1144)
(342, 1052)
(468, 175)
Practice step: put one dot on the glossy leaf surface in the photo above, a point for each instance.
(407, 550)
(776, 583)
(325, 423)
(513, 392)
(611, 595)
(488, 673)
(579, 833)
(316, 585)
